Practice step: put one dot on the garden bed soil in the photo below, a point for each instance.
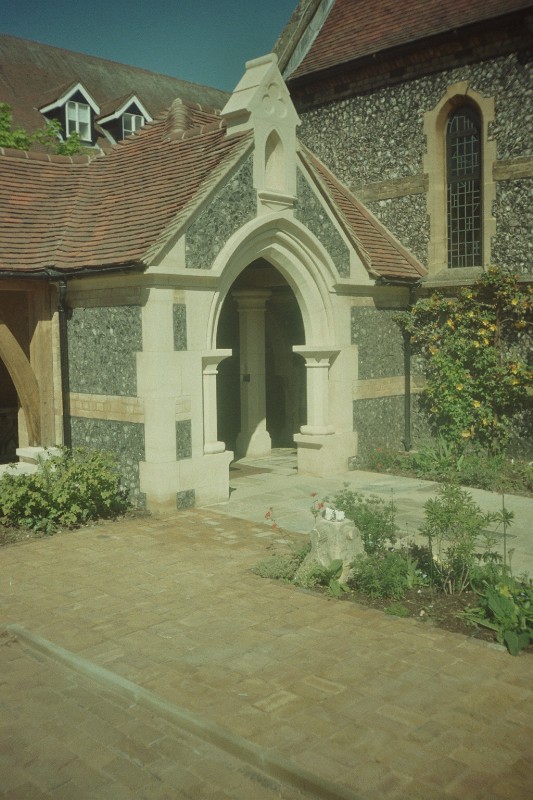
(429, 608)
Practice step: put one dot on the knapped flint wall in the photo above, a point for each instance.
(125, 440)
(378, 137)
(102, 347)
(232, 207)
(102, 343)
(311, 213)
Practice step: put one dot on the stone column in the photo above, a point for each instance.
(210, 362)
(253, 439)
(317, 363)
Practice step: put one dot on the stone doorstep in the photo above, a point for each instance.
(272, 764)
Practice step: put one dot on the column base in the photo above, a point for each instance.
(324, 455)
(256, 444)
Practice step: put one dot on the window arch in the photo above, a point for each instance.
(464, 187)
(461, 224)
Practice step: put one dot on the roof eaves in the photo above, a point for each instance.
(120, 105)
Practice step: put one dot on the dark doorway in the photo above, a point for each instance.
(285, 371)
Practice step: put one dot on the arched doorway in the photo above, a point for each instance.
(284, 370)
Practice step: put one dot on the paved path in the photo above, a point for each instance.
(272, 482)
(382, 708)
(65, 736)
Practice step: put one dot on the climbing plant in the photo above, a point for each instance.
(474, 350)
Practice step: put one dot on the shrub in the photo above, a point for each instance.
(474, 354)
(67, 489)
(277, 566)
(372, 516)
(455, 527)
(281, 566)
(382, 575)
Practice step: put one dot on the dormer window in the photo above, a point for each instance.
(78, 120)
(74, 109)
(122, 117)
(131, 123)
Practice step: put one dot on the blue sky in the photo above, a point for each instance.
(204, 41)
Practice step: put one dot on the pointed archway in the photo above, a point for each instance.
(260, 322)
(306, 272)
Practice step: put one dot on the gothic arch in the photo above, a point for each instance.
(297, 255)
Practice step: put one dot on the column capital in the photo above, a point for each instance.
(251, 298)
(316, 356)
(212, 358)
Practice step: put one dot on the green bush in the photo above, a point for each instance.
(277, 566)
(460, 545)
(382, 575)
(281, 566)
(372, 516)
(67, 490)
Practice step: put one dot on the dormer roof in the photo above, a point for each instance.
(67, 94)
(114, 109)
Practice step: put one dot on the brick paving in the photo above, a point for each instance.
(65, 736)
(383, 707)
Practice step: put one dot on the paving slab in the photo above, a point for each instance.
(378, 706)
(276, 485)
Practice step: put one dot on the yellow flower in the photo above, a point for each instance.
(476, 343)
(459, 387)
(476, 403)
(466, 434)
(451, 323)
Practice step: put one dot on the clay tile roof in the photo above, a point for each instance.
(33, 75)
(36, 193)
(357, 28)
(383, 256)
(109, 211)
(111, 105)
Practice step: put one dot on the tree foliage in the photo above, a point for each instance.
(474, 350)
(49, 136)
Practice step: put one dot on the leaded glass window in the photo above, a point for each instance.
(463, 148)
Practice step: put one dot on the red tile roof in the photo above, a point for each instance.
(355, 29)
(75, 213)
(33, 75)
(382, 255)
(118, 210)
